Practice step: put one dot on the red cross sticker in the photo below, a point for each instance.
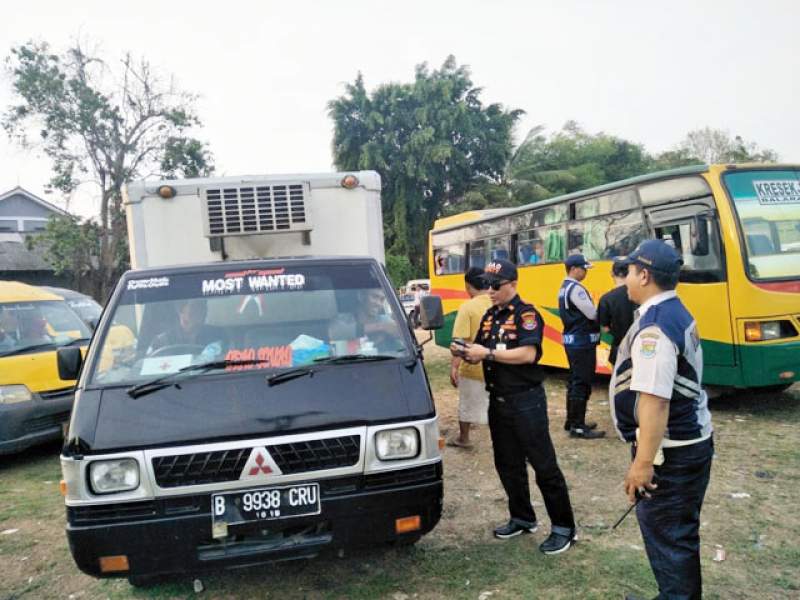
(165, 365)
(262, 468)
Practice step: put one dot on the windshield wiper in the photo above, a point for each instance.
(296, 372)
(348, 358)
(159, 383)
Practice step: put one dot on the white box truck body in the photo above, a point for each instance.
(176, 222)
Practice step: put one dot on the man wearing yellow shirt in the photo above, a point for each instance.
(473, 399)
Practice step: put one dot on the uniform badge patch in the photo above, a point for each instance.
(529, 321)
(649, 348)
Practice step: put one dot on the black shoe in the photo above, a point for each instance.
(585, 433)
(557, 543)
(587, 425)
(513, 528)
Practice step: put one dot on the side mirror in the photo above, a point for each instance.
(431, 314)
(69, 360)
(698, 229)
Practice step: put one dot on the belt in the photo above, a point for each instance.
(665, 443)
(510, 398)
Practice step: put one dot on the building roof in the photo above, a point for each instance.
(34, 198)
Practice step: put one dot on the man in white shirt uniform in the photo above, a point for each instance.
(659, 406)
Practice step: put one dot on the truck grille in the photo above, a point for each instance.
(226, 465)
(256, 209)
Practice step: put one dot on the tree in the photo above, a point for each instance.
(104, 126)
(430, 140)
(717, 146)
(571, 160)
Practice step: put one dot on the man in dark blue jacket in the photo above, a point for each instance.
(581, 336)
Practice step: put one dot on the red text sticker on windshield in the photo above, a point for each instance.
(267, 356)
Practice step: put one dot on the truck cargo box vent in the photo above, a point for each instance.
(248, 210)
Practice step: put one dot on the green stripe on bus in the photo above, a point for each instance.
(444, 336)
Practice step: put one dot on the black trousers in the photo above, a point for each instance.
(582, 362)
(520, 432)
(670, 520)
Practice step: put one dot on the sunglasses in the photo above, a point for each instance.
(496, 285)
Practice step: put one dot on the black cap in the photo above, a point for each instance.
(474, 277)
(655, 254)
(500, 270)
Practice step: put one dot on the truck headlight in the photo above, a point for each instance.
(396, 444)
(118, 475)
(11, 394)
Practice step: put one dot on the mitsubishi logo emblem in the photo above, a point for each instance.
(260, 465)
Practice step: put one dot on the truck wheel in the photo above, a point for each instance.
(143, 581)
(406, 541)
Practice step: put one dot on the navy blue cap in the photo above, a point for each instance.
(500, 270)
(655, 254)
(578, 260)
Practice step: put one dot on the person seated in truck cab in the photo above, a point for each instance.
(190, 333)
(373, 321)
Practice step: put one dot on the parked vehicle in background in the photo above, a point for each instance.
(408, 302)
(85, 306)
(34, 400)
(737, 228)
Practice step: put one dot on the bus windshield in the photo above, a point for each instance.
(269, 319)
(767, 204)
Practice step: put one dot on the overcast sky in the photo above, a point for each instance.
(645, 71)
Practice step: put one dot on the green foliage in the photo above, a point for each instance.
(430, 140)
(103, 127)
(400, 270)
(571, 160)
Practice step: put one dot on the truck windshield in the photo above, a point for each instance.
(768, 207)
(267, 319)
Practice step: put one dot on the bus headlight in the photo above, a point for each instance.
(397, 444)
(762, 331)
(11, 394)
(110, 476)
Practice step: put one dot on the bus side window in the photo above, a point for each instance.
(449, 259)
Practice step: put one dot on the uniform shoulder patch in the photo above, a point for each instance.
(528, 320)
(648, 349)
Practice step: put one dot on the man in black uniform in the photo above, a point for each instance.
(615, 309)
(509, 343)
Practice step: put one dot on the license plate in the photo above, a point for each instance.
(265, 504)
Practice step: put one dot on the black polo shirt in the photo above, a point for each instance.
(615, 311)
(521, 325)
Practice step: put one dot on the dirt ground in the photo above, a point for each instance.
(750, 512)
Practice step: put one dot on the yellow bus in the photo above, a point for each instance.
(736, 226)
